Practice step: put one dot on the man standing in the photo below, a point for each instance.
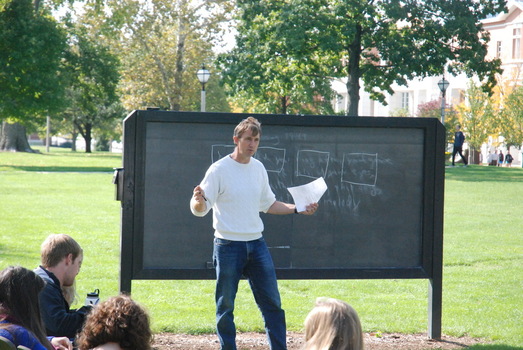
(509, 159)
(459, 139)
(61, 259)
(237, 188)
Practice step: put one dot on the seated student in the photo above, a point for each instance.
(333, 325)
(61, 259)
(116, 324)
(20, 321)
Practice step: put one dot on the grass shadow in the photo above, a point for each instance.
(51, 169)
(478, 173)
(494, 347)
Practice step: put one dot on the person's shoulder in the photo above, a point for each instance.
(10, 331)
(220, 163)
(17, 334)
(258, 163)
(43, 274)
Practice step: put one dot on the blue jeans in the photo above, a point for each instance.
(232, 260)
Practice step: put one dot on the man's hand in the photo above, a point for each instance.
(62, 343)
(199, 197)
(310, 209)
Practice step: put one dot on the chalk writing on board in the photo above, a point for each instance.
(360, 168)
(220, 151)
(272, 158)
(356, 168)
(313, 164)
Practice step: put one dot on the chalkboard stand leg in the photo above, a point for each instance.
(435, 306)
(125, 286)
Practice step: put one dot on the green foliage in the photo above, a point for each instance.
(476, 116)
(32, 46)
(512, 119)
(92, 74)
(292, 49)
(161, 44)
(483, 250)
(400, 112)
(263, 73)
(216, 99)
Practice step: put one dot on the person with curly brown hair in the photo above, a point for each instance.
(118, 323)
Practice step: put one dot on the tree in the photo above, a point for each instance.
(508, 102)
(432, 109)
(284, 46)
(31, 49)
(162, 44)
(475, 116)
(512, 127)
(261, 72)
(93, 77)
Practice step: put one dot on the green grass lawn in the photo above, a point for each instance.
(66, 192)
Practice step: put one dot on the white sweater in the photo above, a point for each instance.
(237, 193)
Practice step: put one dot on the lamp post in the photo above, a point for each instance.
(203, 76)
(443, 84)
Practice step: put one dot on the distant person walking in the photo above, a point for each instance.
(459, 140)
(509, 159)
(500, 158)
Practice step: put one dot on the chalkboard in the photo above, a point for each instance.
(381, 217)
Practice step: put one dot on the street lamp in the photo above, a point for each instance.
(443, 85)
(203, 76)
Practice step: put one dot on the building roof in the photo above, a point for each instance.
(512, 5)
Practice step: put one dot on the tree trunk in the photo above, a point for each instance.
(13, 138)
(176, 103)
(74, 137)
(284, 103)
(88, 137)
(353, 81)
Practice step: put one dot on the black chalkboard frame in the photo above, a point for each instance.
(132, 203)
(131, 192)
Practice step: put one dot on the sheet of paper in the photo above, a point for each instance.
(309, 193)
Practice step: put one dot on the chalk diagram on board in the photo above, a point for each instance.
(272, 158)
(357, 168)
(313, 164)
(360, 169)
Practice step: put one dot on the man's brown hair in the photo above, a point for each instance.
(249, 123)
(56, 247)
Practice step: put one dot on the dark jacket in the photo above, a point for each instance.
(59, 320)
(459, 139)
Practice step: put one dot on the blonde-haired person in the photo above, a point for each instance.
(333, 325)
(115, 324)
